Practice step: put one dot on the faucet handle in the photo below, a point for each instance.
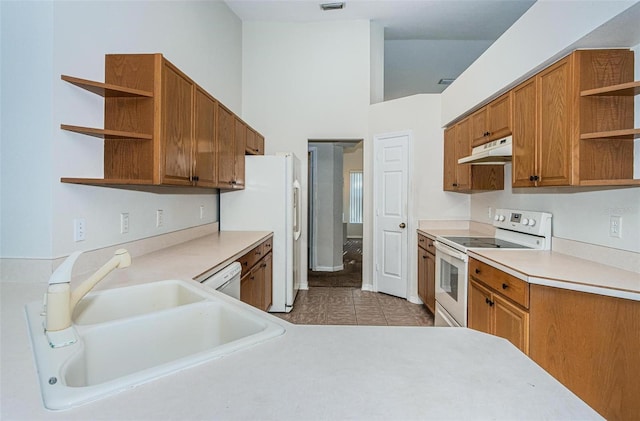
(63, 273)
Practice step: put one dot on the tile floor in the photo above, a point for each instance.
(352, 306)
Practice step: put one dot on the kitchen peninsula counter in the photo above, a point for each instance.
(310, 372)
(550, 268)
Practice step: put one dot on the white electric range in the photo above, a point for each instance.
(515, 230)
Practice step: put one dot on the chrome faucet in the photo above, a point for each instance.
(60, 301)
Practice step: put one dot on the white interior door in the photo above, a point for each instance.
(390, 204)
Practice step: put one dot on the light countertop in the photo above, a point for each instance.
(310, 372)
(555, 269)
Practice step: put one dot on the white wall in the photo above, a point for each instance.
(421, 115)
(415, 66)
(306, 81)
(47, 39)
(377, 63)
(26, 144)
(547, 31)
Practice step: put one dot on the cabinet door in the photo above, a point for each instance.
(257, 286)
(225, 146)
(422, 275)
(511, 322)
(450, 160)
(554, 136)
(177, 135)
(205, 139)
(463, 148)
(524, 134)
(431, 283)
(479, 127)
(240, 142)
(246, 289)
(499, 115)
(479, 314)
(268, 281)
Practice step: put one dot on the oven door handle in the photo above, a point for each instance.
(450, 251)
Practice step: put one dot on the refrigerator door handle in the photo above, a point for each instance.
(296, 210)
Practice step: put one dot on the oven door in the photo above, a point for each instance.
(451, 282)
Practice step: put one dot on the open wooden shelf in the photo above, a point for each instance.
(106, 90)
(105, 133)
(614, 134)
(615, 182)
(106, 181)
(623, 89)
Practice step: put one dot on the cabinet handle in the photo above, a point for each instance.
(245, 263)
(430, 245)
(424, 257)
(488, 301)
(505, 286)
(421, 240)
(477, 271)
(534, 178)
(455, 184)
(264, 265)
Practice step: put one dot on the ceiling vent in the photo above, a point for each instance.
(445, 81)
(332, 6)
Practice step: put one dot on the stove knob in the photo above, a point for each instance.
(497, 217)
(501, 218)
(525, 221)
(532, 222)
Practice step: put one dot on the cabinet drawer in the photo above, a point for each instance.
(267, 246)
(250, 259)
(509, 286)
(426, 243)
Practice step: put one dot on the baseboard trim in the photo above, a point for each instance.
(328, 268)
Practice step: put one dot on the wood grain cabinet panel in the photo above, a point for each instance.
(525, 122)
(427, 272)
(240, 144)
(466, 178)
(492, 121)
(205, 139)
(256, 287)
(497, 304)
(225, 146)
(177, 136)
(590, 343)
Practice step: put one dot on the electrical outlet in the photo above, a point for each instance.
(201, 211)
(124, 223)
(615, 226)
(159, 218)
(79, 229)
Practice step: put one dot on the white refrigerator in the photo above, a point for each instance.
(270, 201)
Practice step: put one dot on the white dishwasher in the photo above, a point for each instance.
(226, 280)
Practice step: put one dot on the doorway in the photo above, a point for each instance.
(335, 213)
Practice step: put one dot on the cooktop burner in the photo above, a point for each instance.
(485, 243)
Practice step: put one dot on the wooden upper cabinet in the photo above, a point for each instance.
(240, 144)
(205, 139)
(492, 121)
(176, 134)
(225, 146)
(464, 177)
(555, 112)
(569, 129)
(255, 142)
(524, 134)
(161, 128)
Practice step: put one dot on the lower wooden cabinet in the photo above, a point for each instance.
(427, 272)
(494, 312)
(591, 344)
(256, 284)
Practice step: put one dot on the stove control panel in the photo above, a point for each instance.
(529, 222)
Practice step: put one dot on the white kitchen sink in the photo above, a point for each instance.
(189, 326)
(119, 303)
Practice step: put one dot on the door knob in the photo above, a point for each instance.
(402, 225)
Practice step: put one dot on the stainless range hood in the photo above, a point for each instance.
(495, 152)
